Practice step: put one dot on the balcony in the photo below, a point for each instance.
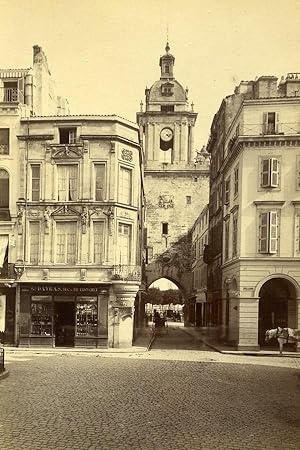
(124, 272)
(11, 95)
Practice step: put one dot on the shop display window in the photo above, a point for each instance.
(86, 316)
(41, 316)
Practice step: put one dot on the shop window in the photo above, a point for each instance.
(4, 141)
(268, 232)
(125, 185)
(67, 135)
(67, 182)
(35, 182)
(99, 182)
(66, 242)
(86, 317)
(124, 244)
(98, 242)
(270, 172)
(41, 316)
(34, 245)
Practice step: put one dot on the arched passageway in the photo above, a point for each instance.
(277, 306)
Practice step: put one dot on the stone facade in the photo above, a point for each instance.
(176, 186)
(70, 224)
(259, 208)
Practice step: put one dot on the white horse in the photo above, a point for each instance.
(283, 336)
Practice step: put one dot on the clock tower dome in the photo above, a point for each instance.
(176, 189)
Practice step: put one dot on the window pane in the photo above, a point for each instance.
(4, 141)
(125, 186)
(34, 242)
(98, 242)
(35, 182)
(62, 182)
(66, 239)
(99, 181)
(124, 244)
(72, 173)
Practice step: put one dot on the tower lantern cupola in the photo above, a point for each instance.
(166, 63)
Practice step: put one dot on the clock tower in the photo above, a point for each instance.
(176, 189)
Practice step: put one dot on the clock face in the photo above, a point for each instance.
(166, 134)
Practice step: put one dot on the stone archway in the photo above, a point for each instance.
(277, 305)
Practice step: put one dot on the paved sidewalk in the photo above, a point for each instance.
(212, 342)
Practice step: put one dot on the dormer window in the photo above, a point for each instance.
(67, 135)
(167, 89)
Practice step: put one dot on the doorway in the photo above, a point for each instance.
(64, 324)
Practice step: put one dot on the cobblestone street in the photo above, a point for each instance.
(163, 399)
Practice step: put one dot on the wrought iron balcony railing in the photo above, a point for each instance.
(11, 95)
(127, 272)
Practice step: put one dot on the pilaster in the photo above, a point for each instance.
(248, 323)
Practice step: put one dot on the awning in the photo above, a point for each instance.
(3, 247)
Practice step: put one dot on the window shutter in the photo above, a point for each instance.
(21, 90)
(265, 173)
(277, 124)
(274, 172)
(265, 123)
(273, 239)
(297, 233)
(72, 136)
(263, 232)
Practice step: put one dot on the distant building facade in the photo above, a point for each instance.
(70, 223)
(198, 308)
(176, 187)
(253, 270)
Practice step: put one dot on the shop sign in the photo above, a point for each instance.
(62, 289)
(2, 312)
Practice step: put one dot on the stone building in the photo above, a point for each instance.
(253, 270)
(70, 224)
(176, 187)
(198, 308)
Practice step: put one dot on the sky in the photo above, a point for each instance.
(103, 53)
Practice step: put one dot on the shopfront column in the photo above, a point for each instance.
(122, 314)
(248, 324)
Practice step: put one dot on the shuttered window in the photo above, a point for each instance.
(270, 172)
(270, 123)
(227, 191)
(66, 242)
(236, 181)
(234, 235)
(268, 232)
(226, 240)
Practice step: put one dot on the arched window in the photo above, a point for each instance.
(4, 189)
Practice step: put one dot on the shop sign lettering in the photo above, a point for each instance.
(63, 289)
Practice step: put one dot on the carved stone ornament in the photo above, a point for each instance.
(110, 216)
(71, 151)
(47, 218)
(34, 212)
(166, 201)
(126, 155)
(85, 218)
(20, 215)
(65, 210)
(202, 156)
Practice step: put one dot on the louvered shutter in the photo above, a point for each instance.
(274, 163)
(273, 226)
(21, 90)
(265, 173)
(263, 232)
(277, 124)
(265, 123)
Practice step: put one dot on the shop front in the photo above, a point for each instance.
(63, 315)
